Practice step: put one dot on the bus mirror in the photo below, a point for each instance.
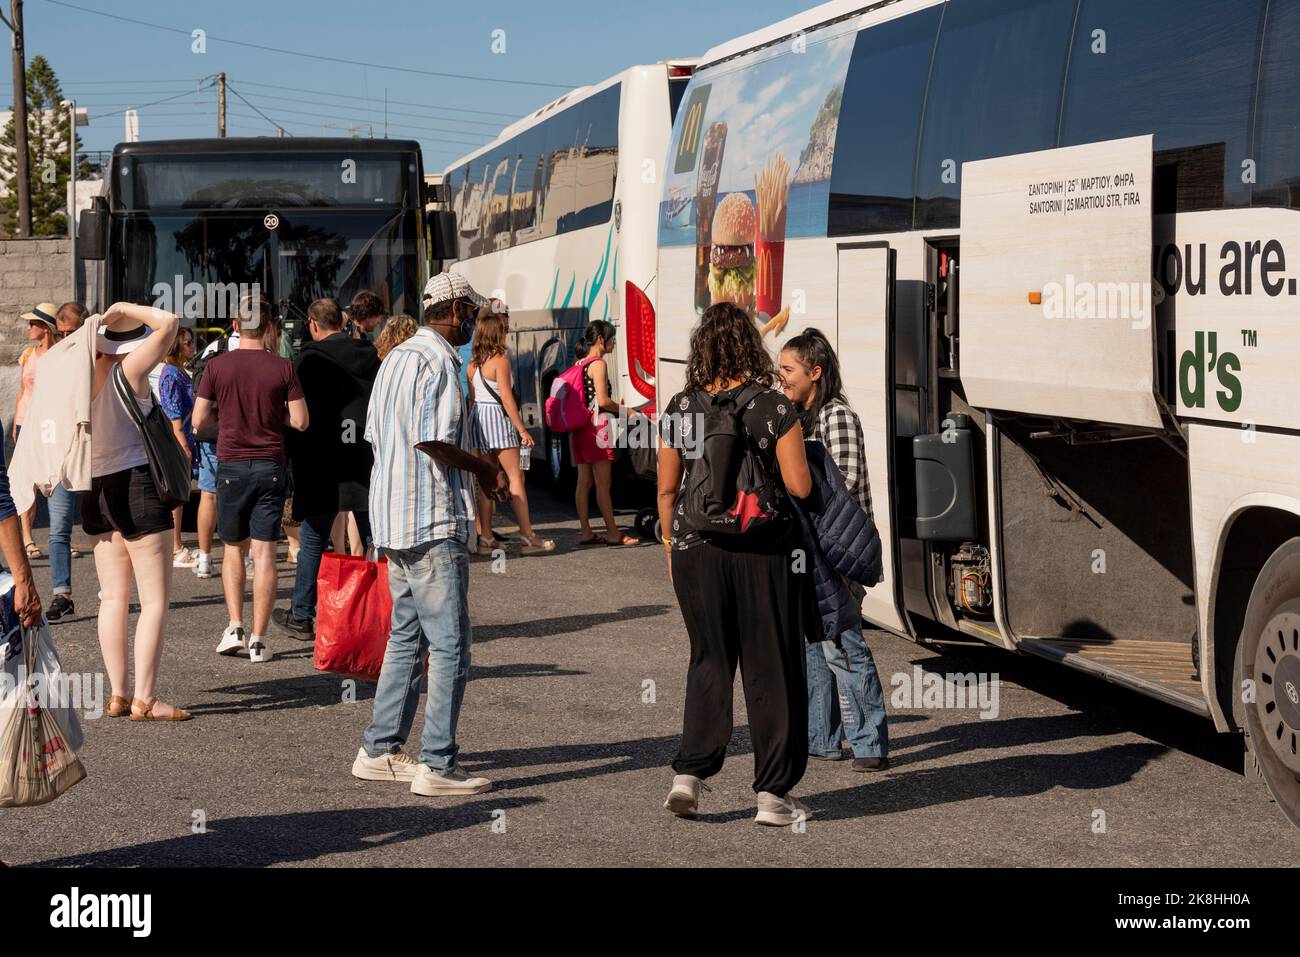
(92, 234)
(442, 224)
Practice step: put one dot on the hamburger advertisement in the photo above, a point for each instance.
(750, 171)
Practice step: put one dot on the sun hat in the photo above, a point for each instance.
(44, 313)
(119, 342)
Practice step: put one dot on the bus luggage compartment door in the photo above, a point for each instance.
(1056, 283)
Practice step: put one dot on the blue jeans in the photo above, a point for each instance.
(825, 727)
(63, 515)
(313, 542)
(430, 589)
(862, 699)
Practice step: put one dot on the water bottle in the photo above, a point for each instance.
(525, 458)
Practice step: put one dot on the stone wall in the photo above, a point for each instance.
(31, 271)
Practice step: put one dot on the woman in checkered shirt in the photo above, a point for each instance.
(810, 377)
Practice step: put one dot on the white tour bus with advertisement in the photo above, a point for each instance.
(557, 217)
(1057, 246)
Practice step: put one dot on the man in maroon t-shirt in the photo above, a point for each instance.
(258, 395)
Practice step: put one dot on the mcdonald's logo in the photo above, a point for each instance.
(765, 275)
(688, 142)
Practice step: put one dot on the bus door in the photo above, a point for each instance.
(865, 333)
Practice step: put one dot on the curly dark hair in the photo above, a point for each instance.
(727, 345)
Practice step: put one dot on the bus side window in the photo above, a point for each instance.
(995, 91)
(597, 160)
(1180, 69)
(1277, 135)
(559, 182)
(872, 188)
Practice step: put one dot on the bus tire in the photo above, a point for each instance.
(1266, 679)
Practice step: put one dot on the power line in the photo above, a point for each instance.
(346, 96)
(363, 121)
(254, 109)
(421, 116)
(142, 106)
(432, 129)
(316, 56)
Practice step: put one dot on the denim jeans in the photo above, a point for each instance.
(313, 542)
(825, 727)
(430, 589)
(862, 699)
(63, 515)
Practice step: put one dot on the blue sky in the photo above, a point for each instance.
(108, 64)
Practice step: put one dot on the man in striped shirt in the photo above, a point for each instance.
(422, 519)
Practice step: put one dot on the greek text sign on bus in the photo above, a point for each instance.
(195, 221)
(1057, 245)
(557, 217)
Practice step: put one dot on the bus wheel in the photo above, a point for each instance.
(1266, 678)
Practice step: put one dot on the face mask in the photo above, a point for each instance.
(467, 324)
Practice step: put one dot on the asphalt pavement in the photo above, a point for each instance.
(573, 709)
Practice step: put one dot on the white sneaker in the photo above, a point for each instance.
(396, 766)
(248, 567)
(433, 783)
(184, 558)
(203, 566)
(258, 649)
(684, 798)
(780, 812)
(232, 641)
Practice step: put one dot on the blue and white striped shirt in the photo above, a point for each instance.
(417, 398)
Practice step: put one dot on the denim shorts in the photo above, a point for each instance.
(250, 500)
(207, 466)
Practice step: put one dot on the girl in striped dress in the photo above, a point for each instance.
(499, 432)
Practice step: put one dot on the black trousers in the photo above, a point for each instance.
(747, 607)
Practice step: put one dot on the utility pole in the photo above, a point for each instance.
(221, 105)
(24, 184)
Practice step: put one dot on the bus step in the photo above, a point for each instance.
(1161, 669)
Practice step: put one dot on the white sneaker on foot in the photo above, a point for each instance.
(684, 798)
(203, 566)
(433, 783)
(248, 567)
(780, 812)
(232, 641)
(396, 766)
(184, 558)
(258, 649)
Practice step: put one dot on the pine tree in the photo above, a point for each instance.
(47, 149)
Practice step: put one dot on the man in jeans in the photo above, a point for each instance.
(63, 502)
(331, 460)
(422, 518)
(257, 394)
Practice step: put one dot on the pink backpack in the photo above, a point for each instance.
(566, 407)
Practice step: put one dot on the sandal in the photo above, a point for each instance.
(33, 550)
(118, 706)
(624, 539)
(538, 546)
(146, 712)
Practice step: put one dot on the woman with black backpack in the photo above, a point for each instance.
(730, 455)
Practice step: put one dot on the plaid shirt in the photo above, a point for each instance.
(840, 430)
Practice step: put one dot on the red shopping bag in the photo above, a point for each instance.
(354, 611)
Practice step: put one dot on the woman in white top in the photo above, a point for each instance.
(123, 514)
(500, 433)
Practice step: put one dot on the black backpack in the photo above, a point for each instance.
(209, 431)
(728, 489)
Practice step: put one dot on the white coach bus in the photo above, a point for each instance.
(557, 217)
(1057, 244)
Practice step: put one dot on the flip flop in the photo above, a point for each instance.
(593, 541)
(624, 542)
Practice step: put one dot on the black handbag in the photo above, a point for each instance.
(169, 464)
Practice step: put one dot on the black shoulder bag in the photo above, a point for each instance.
(169, 465)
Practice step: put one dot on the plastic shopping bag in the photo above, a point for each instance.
(39, 731)
(354, 612)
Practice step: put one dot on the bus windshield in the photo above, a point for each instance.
(307, 255)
